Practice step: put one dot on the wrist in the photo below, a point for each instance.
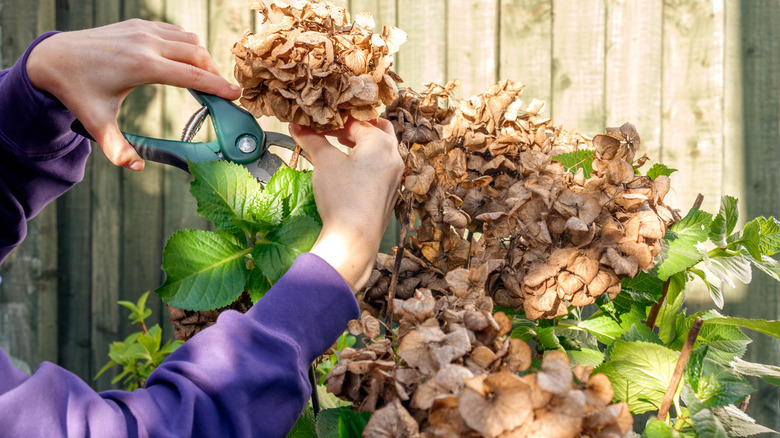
(352, 258)
(39, 66)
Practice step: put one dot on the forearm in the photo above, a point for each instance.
(40, 157)
(244, 376)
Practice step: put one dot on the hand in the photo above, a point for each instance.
(355, 193)
(92, 71)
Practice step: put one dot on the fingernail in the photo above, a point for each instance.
(234, 87)
(294, 129)
(137, 166)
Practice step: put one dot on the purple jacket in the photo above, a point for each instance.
(244, 377)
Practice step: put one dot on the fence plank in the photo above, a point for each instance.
(633, 69)
(142, 191)
(759, 90)
(28, 282)
(525, 32)
(75, 237)
(106, 240)
(578, 65)
(472, 44)
(693, 100)
(422, 58)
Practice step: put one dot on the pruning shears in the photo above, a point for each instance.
(240, 139)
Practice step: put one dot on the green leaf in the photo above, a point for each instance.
(728, 265)
(151, 340)
(738, 423)
(295, 187)
(708, 425)
(327, 423)
(680, 250)
(258, 284)
(546, 336)
(606, 329)
(329, 400)
(725, 343)
(720, 386)
(204, 270)
(750, 239)
(643, 288)
(694, 366)
(770, 328)
(640, 372)
(268, 209)
(575, 160)
(668, 315)
(641, 332)
(769, 266)
(586, 356)
(277, 250)
(352, 423)
(224, 192)
(768, 373)
(725, 221)
(715, 292)
(770, 235)
(659, 169)
(305, 426)
(659, 429)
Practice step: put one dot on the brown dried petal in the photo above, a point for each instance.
(391, 421)
(492, 405)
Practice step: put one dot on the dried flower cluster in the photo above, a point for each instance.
(316, 67)
(482, 181)
(458, 376)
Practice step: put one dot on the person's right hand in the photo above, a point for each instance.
(92, 71)
(355, 193)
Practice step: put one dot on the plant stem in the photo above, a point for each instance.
(653, 315)
(143, 327)
(693, 333)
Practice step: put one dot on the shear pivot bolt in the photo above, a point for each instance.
(246, 144)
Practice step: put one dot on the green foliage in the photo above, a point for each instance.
(259, 233)
(141, 352)
(576, 160)
(640, 360)
(341, 423)
(323, 368)
(659, 169)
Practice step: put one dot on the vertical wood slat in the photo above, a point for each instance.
(693, 100)
(74, 239)
(759, 90)
(578, 65)
(422, 58)
(141, 255)
(106, 238)
(28, 291)
(525, 42)
(472, 44)
(634, 45)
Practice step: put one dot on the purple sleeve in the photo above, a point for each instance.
(246, 376)
(40, 157)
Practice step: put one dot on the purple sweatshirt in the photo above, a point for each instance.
(246, 376)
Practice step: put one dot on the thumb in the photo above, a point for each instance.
(315, 145)
(115, 146)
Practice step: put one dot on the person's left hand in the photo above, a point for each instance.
(92, 71)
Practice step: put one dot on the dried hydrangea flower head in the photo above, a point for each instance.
(482, 180)
(316, 67)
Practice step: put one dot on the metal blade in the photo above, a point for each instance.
(264, 168)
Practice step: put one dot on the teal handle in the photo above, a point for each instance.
(174, 153)
(232, 124)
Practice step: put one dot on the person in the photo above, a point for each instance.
(246, 376)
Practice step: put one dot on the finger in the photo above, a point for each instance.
(167, 26)
(192, 54)
(115, 147)
(183, 75)
(315, 145)
(179, 35)
(385, 125)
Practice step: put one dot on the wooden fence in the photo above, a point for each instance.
(699, 78)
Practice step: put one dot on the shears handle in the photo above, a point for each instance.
(174, 153)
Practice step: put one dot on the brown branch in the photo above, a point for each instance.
(653, 315)
(698, 202)
(294, 159)
(693, 333)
